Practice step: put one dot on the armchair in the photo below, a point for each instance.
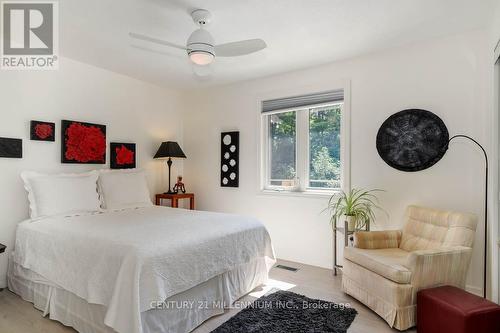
(385, 269)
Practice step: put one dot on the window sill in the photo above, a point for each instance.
(304, 194)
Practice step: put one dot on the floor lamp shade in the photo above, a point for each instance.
(169, 149)
(414, 140)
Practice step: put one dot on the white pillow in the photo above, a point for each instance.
(127, 188)
(59, 194)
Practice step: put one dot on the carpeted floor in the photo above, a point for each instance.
(285, 312)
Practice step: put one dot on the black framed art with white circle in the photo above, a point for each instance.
(230, 151)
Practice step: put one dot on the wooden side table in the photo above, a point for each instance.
(174, 199)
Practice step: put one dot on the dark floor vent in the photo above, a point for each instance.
(288, 268)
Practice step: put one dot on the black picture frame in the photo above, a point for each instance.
(120, 152)
(230, 161)
(11, 148)
(85, 145)
(42, 131)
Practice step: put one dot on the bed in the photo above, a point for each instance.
(140, 270)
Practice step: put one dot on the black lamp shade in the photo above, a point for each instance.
(169, 149)
(412, 140)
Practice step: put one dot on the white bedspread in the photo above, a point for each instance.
(127, 259)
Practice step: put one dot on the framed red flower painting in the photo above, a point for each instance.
(42, 131)
(122, 155)
(83, 143)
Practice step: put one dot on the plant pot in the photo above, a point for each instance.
(351, 222)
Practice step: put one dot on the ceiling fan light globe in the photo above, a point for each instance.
(201, 58)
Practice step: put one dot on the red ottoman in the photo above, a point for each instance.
(452, 310)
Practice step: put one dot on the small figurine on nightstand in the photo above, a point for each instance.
(179, 186)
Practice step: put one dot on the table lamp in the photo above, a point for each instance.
(168, 150)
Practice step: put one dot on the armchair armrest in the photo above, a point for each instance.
(377, 239)
(447, 265)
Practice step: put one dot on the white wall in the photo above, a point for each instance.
(495, 27)
(447, 76)
(495, 230)
(132, 110)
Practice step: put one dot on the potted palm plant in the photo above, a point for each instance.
(357, 207)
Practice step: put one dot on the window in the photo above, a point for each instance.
(302, 146)
(324, 146)
(283, 148)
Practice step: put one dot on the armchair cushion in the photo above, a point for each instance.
(428, 228)
(377, 239)
(386, 262)
(446, 265)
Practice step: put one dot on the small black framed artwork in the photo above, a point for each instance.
(42, 131)
(83, 143)
(230, 164)
(11, 148)
(123, 155)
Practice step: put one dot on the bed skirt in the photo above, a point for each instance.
(180, 313)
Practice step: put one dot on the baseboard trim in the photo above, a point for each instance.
(474, 290)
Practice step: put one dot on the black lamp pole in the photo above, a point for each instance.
(485, 207)
(169, 163)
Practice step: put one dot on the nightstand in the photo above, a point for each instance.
(174, 199)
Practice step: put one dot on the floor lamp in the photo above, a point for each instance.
(485, 264)
(413, 140)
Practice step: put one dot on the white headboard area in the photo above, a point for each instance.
(133, 111)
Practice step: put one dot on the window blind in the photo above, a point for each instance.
(330, 96)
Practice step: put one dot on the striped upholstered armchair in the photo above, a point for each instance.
(385, 269)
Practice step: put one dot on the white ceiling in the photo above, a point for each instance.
(299, 33)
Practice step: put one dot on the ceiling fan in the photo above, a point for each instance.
(201, 48)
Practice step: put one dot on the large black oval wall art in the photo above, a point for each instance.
(412, 140)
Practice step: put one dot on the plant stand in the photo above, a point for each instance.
(347, 235)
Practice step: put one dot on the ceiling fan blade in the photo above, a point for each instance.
(243, 47)
(160, 52)
(155, 40)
